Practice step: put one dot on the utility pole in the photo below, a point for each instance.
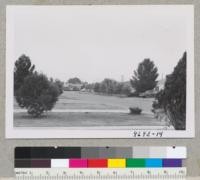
(122, 78)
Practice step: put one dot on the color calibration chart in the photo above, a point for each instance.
(100, 163)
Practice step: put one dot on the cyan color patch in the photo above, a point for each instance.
(153, 162)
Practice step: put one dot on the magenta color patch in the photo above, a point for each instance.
(78, 163)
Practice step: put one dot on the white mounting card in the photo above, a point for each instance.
(100, 71)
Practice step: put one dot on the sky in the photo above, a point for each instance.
(97, 42)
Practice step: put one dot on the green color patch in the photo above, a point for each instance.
(135, 163)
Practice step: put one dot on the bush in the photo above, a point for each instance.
(155, 105)
(133, 94)
(126, 89)
(135, 110)
(37, 94)
(159, 100)
(60, 85)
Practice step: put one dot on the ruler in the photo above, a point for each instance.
(100, 173)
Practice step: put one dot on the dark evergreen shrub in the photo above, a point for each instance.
(32, 90)
(135, 110)
(173, 97)
(37, 94)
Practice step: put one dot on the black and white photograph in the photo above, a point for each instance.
(99, 71)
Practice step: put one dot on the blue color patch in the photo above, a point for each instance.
(153, 162)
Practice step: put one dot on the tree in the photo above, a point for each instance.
(173, 97)
(33, 91)
(119, 88)
(97, 87)
(126, 89)
(109, 86)
(22, 69)
(60, 85)
(145, 77)
(90, 87)
(37, 94)
(74, 80)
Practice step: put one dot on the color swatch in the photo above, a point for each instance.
(116, 163)
(100, 152)
(98, 163)
(99, 157)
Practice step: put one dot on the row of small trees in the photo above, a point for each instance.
(144, 79)
(33, 90)
(109, 86)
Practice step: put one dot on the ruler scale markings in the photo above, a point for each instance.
(122, 173)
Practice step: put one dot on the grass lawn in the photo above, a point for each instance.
(70, 119)
(80, 101)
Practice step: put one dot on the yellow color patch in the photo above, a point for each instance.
(116, 163)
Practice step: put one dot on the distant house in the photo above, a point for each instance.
(148, 93)
(72, 87)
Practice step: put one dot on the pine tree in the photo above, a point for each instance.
(32, 90)
(23, 68)
(145, 77)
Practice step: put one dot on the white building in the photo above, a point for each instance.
(160, 85)
(72, 87)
